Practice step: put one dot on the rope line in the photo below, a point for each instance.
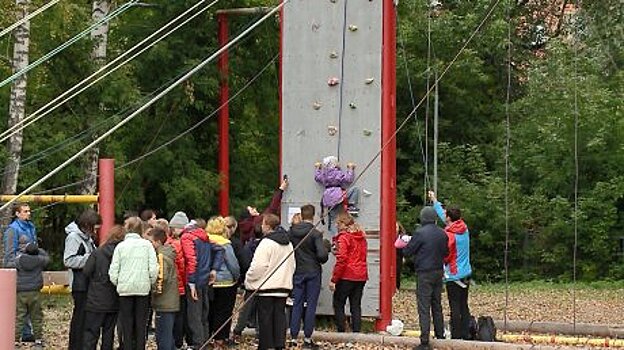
(42, 112)
(70, 42)
(148, 104)
(507, 156)
(32, 15)
(342, 66)
(428, 106)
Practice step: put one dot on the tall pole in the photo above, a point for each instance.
(107, 196)
(435, 135)
(388, 166)
(8, 295)
(224, 119)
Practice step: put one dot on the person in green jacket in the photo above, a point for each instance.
(133, 270)
(165, 297)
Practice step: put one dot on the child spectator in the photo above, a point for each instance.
(78, 247)
(165, 296)
(180, 327)
(350, 272)
(102, 298)
(133, 270)
(271, 274)
(225, 284)
(201, 258)
(335, 196)
(30, 264)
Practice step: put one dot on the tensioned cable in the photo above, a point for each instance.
(410, 86)
(507, 155)
(123, 8)
(148, 104)
(428, 106)
(271, 273)
(19, 126)
(177, 137)
(32, 15)
(342, 77)
(576, 160)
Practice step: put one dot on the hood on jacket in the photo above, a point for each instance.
(167, 251)
(197, 232)
(301, 229)
(279, 235)
(457, 227)
(73, 228)
(428, 216)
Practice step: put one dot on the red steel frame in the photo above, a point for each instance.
(224, 118)
(387, 228)
(106, 200)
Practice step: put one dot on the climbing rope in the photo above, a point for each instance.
(147, 105)
(507, 155)
(123, 8)
(342, 65)
(80, 87)
(10, 28)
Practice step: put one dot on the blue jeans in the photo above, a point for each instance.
(306, 289)
(164, 330)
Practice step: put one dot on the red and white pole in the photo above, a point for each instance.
(106, 201)
(224, 118)
(388, 167)
(8, 295)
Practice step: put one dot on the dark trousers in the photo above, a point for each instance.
(429, 295)
(133, 315)
(164, 330)
(76, 326)
(306, 289)
(97, 323)
(180, 327)
(221, 308)
(352, 290)
(29, 304)
(197, 316)
(460, 313)
(247, 314)
(271, 322)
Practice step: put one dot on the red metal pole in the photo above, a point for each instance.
(388, 166)
(224, 119)
(8, 281)
(106, 201)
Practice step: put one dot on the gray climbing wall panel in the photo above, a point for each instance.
(313, 52)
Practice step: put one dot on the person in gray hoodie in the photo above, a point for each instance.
(78, 247)
(30, 264)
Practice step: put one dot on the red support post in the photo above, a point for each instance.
(8, 295)
(388, 167)
(106, 201)
(224, 119)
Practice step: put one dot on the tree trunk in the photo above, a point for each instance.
(99, 36)
(17, 107)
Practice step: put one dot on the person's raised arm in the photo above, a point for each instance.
(437, 206)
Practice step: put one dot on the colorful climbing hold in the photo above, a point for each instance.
(333, 54)
(367, 132)
(352, 105)
(353, 27)
(316, 105)
(315, 27)
(333, 81)
(369, 81)
(332, 130)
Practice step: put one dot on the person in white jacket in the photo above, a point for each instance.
(271, 274)
(133, 270)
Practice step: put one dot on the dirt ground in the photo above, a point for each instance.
(526, 302)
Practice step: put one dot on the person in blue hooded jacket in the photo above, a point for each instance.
(17, 236)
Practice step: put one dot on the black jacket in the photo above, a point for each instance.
(312, 253)
(102, 294)
(429, 244)
(30, 270)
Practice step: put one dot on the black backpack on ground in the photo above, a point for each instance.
(486, 329)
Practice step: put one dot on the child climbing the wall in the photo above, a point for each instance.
(336, 197)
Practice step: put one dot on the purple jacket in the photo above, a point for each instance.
(334, 180)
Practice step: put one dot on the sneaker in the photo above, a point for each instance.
(291, 343)
(38, 344)
(353, 210)
(310, 344)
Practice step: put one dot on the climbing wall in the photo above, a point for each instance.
(331, 105)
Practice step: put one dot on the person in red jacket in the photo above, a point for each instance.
(350, 272)
(250, 217)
